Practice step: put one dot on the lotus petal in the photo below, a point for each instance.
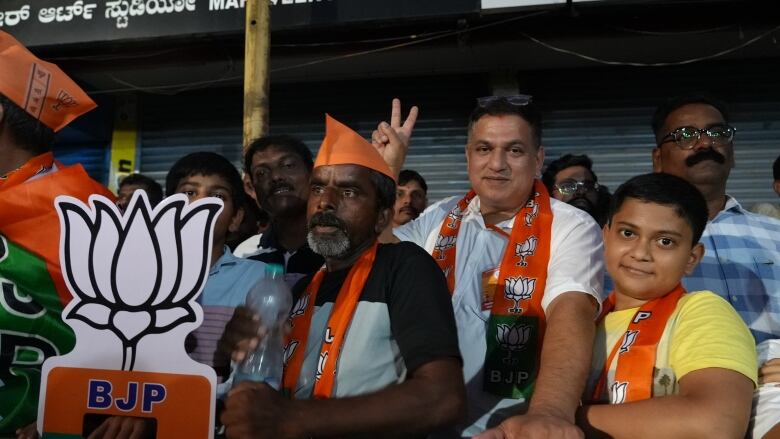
(132, 323)
(136, 270)
(77, 237)
(197, 224)
(170, 250)
(165, 317)
(104, 246)
(92, 312)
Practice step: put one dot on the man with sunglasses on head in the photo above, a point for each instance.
(524, 272)
(571, 179)
(742, 250)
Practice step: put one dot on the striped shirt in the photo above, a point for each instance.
(742, 264)
(230, 279)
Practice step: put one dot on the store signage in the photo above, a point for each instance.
(57, 22)
(500, 4)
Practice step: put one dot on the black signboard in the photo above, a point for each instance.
(58, 22)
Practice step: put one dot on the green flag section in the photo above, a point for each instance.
(511, 356)
(31, 330)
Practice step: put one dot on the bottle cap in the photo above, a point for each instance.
(274, 270)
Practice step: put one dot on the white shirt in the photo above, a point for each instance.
(576, 264)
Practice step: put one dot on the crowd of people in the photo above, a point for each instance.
(537, 305)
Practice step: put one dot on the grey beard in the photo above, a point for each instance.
(332, 246)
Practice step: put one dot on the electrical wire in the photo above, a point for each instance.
(658, 64)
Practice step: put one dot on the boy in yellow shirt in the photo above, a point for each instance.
(666, 363)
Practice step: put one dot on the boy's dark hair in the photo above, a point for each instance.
(283, 142)
(672, 104)
(500, 106)
(206, 163)
(667, 190)
(153, 189)
(385, 189)
(28, 132)
(563, 162)
(408, 175)
(776, 168)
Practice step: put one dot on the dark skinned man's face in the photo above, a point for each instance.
(281, 182)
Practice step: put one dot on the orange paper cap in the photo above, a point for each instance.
(38, 87)
(343, 146)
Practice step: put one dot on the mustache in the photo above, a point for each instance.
(707, 154)
(281, 184)
(410, 209)
(326, 219)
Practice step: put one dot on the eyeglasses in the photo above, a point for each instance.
(517, 100)
(570, 187)
(688, 137)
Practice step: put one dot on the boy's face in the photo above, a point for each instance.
(648, 250)
(199, 186)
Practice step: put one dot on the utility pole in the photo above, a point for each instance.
(256, 48)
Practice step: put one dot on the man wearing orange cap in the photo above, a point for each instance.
(373, 347)
(525, 274)
(36, 100)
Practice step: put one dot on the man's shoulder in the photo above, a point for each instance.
(248, 247)
(737, 215)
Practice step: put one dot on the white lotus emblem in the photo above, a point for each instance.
(512, 338)
(443, 243)
(618, 392)
(300, 306)
(628, 340)
(135, 275)
(321, 364)
(526, 249)
(289, 350)
(529, 217)
(454, 217)
(517, 289)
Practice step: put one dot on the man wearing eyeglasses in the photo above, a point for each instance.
(742, 250)
(525, 274)
(570, 178)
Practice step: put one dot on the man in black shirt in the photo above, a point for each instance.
(279, 168)
(373, 334)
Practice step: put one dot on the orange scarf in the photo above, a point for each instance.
(336, 329)
(31, 168)
(517, 321)
(636, 350)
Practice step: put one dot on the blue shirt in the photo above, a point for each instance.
(742, 264)
(230, 279)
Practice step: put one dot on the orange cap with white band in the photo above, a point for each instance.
(38, 87)
(343, 146)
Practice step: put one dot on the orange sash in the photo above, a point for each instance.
(517, 320)
(338, 324)
(31, 168)
(636, 351)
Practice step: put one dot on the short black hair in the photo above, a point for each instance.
(206, 163)
(502, 107)
(281, 141)
(385, 189)
(28, 132)
(672, 104)
(408, 175)
(776, 168)
(152, 188)
(563, 162)
(667, 190)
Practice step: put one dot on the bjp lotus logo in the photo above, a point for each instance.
(321, 364)
(618, 392)
(289, 349)
(512, 338)
(133, 274)
(517, 289)
(526, 249)
(529, 217)
(300, 307)
(443, 243)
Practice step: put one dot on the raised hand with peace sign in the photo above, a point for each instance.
(392, 140)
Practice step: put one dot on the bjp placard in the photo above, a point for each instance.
(135, 278)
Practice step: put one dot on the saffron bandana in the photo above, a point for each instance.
(516, 326)
(636, 351)
(36, 165)
(338, 324)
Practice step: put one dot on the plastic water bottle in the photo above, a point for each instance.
(271, 299)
